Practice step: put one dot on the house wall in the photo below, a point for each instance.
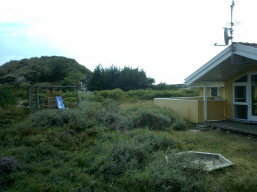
(229, 90)
(216, 110)
(192, 110)
(221, 92)
(188, 109)
(226, 93)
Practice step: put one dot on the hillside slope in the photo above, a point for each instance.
(51, 70)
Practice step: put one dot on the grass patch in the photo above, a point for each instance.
(237, 148)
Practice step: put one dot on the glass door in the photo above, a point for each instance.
(253, 113)
(240, 101)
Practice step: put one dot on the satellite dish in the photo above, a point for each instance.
(226, 37)
(226, 33)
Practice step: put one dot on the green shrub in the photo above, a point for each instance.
(70, 99)
(173, 172)
(155, 140)
(113, 155)
(44, 150)
(143, 94)
(240, 184)
(95, 147)
(99, 98)
(116, 94)
(140, 161)
(168, 112)
(151, 118)
(180, 124)
(6, 98)
(49, 118)
(8, 165)
(119, 152)
(27, 131)
(111, 105)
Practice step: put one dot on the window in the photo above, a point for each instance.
(240, 97)
(240, 93)
(241, 79)
(240, 111)
(214, 91)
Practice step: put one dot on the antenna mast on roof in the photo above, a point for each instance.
(226, 35)
(227, 38)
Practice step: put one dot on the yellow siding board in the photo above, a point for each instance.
(216, 110)
(193, 109)
(200, 111)
(187, 109)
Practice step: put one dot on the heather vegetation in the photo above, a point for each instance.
(132, 96)
(96, 147)
(43, 70)
(6, 98)
(147, 94)
(114, 146)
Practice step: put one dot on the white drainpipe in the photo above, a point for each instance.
(205, 108)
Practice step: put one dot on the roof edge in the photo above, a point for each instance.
(208, 66)
(244, 49)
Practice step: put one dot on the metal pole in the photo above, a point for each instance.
(231, 22)
(205, 103)
(77, 90)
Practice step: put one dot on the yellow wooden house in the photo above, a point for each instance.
(228, 88)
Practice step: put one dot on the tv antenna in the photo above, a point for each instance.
(228, 32)
(228, 35)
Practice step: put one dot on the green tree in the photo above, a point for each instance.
(113, 77)
(96, 82)
(132, 79)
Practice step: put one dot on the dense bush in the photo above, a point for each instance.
(107, 113)
(135, 161)
(117, 160)
(108, 147)
(144, 94)
(6, 97)
(96, 147)
(180, 124)
(8, 165)
(154, 140)
(174, 172)
(151, 118)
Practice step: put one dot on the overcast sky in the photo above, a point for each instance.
(168, 39)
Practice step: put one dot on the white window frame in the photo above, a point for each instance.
(250, 116)
(248, 101)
